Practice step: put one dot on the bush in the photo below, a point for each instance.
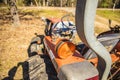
(105, 4)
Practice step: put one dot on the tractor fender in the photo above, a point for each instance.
(78, 71)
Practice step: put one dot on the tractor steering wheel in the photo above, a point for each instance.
(70, 26)
(65, 28)
(67, 23)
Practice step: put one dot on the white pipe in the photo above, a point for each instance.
(85, 16)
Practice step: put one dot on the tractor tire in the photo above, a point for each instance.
(33, 48)
(40, 68)
(39, 65)
(36, 39)
(36, 47)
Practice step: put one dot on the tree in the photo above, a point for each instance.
(43, 2)
(61, 3)
(36, 2)
(115, 3)
(14, 12)
(5, 1)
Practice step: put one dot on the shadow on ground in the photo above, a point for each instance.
(13, 71)
(47, 72)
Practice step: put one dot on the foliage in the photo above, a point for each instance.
(64, 3)
(1, 1)
(106, 3)
(27, 2)
(117, 3)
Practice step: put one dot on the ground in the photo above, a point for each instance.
(15, 40)
(14, 45)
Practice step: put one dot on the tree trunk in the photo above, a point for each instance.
(44, 3)
(47, 2)
(61, 2)
(114, 5)
(36, 2)
(14, 12)
(5, 1)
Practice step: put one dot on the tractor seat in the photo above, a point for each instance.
(109, 41)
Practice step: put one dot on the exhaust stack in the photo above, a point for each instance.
(85, 15)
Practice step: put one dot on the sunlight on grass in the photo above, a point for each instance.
(16, 40)
(109, 14)
(45, 13)
(98, 30)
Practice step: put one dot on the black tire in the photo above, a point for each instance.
(36, 69)
(40, 68)
(34, 47)
(35, 39)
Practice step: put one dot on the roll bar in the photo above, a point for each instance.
(85, 15)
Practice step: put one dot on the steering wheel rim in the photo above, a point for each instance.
(65, 30)
(68, 20)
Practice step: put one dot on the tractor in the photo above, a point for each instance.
(96, 58)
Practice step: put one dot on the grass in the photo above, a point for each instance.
(45, 13)
(4, 10)
(109, 14)
(98, 30)
(14, 41)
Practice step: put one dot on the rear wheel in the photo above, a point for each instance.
(39, 65)
(36, 40)
(35, 47)
(40, 68)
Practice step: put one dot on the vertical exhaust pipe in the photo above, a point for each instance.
(85, 15)
(110, 23)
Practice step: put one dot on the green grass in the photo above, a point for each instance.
(45, 13)
(109, 14)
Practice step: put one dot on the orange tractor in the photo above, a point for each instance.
(94, 59)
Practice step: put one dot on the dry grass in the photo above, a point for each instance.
(14, 41)
(110, 14)
(14, 44)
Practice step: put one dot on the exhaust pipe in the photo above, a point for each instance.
(85, 15)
